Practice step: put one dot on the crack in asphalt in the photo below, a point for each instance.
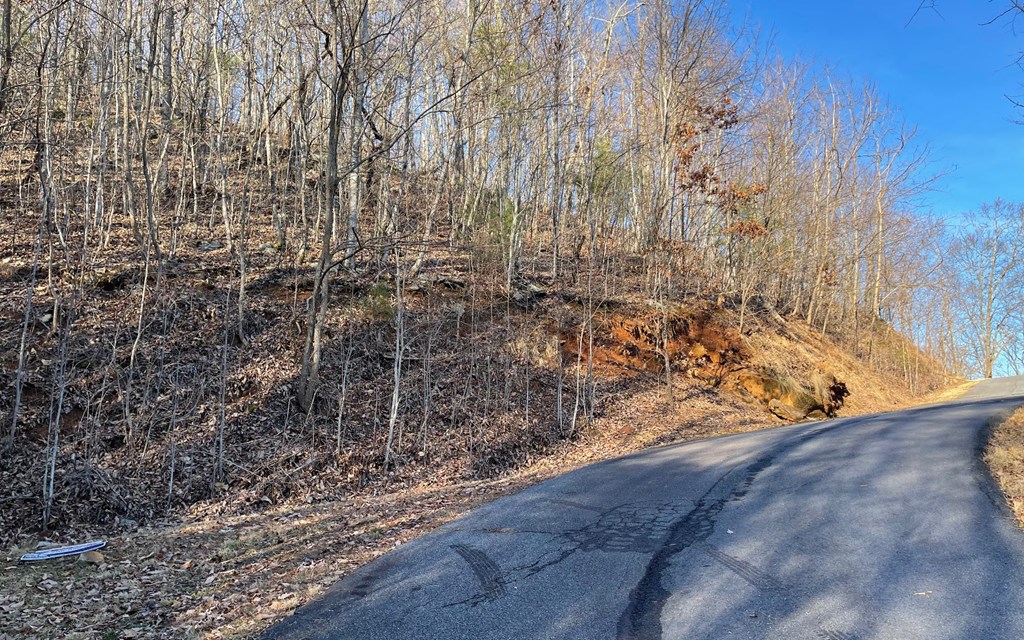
(574, 504)
(641, 619)
(625, 528)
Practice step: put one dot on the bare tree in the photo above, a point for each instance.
(986, 269)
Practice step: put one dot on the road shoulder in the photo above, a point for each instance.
(1005, 458)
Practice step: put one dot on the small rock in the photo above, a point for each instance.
(92, 557)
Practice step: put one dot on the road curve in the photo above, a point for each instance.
(884, 526)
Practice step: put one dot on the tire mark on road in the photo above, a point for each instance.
(830, 634)
(487, 572)
(748, 572)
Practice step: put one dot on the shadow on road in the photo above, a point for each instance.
(883, 526)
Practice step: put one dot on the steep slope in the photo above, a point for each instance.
(162, 395)
(158, 400)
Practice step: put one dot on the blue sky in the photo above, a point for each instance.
(945, 72)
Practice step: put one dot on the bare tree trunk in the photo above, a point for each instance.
(166, 111)
(396, 364)
(6, 55)
(20, 373)
(355, 134)
(309, 375)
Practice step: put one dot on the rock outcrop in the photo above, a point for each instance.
(820, 397)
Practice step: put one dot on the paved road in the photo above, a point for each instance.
(882, 526)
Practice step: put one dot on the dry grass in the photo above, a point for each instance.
(948, 394)
(796, 350)
(1005, 457)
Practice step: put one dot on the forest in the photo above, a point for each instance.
(277, 249)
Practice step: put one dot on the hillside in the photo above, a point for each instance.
(156, 417)
(145, 412)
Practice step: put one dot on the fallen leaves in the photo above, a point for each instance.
(215, 577)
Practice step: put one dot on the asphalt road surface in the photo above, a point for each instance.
(884, 526)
